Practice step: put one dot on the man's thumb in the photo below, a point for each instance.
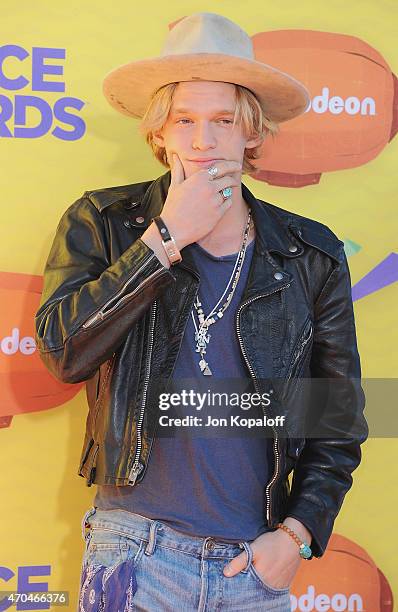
(236, 565)
(177, 170)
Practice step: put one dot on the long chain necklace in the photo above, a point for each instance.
(202, 335)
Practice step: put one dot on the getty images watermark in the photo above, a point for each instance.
(195, 400)
(330, 408)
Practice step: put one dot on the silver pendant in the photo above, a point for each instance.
(204, 368)
(202, 337)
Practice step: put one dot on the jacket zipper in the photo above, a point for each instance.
(276, 443)
(100, 314)
(175, 361)
(157, 422)
(300, 351)
(137, 466)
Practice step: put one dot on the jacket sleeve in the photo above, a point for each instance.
(88, 305)
(322, 475)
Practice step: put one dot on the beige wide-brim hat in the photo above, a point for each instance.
(207, 47)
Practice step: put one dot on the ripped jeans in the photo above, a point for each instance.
(132, 562)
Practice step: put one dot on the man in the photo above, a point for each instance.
(137, 277)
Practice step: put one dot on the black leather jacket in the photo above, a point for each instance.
(112, 315)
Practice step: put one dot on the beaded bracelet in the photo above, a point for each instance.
(305, 550)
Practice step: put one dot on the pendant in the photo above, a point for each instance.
(204, 368)
(202, 337)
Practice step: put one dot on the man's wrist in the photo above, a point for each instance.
(174, 231)
(169, 244)
(153, 240)
(303, 533)
(298, 533)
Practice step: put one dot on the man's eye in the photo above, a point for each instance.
(227, 121)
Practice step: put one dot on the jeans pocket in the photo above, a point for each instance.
(108, 544)
(108, 581)
(133, 547)
(106, 589)
(271, 589)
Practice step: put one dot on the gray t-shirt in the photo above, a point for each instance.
(201, 485)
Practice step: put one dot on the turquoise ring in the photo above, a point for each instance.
(226, 193)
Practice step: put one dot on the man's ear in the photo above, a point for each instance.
(254, 142)
(158, 138)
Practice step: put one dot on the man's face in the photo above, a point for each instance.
(200, 126)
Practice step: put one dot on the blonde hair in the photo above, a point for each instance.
(248, 112)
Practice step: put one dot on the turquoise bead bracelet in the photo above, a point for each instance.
(305, 551)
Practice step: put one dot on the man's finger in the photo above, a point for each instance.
(236, 565)
(177, 170)
(226, 204)
(226, 167)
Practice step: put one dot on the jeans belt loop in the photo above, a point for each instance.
(87, 515)
(249, 554)
(150, 547)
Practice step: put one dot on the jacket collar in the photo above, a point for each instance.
(271, 232)
(277, 230)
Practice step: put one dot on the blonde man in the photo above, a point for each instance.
(191, 276)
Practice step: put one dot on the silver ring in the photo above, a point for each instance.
(226, 193)
(213, 171)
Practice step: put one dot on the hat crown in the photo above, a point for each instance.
(208, 47)
(208, 33)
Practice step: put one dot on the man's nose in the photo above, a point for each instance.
(203, 137)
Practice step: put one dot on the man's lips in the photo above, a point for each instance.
(203, 162)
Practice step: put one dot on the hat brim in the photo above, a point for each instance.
(129, 87)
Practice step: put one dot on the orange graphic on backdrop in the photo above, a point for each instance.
(345, 578)
(26, 385)
(353, 112)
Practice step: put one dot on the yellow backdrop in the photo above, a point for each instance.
(84, 144)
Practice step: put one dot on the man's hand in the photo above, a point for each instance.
(275, 558)
(194, 205)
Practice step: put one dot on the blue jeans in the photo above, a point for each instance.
(132, 562)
